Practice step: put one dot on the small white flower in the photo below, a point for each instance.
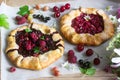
(113, 19)
(87, 17)
(69, 66)
(109, 8)
(116, 60)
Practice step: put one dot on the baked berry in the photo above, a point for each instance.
(80, 47)
(67, 6)
(96, 61)
(56, 14)
(42, 44)
(55, 9)
(70, 53)
(89, 52)
(12, 69)
(62, 8)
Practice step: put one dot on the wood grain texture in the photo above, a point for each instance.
(100, 75)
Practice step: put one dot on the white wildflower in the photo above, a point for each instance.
(113, 19)
(87, 17)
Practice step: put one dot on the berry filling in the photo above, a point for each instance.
(88, 23)
(34, 42)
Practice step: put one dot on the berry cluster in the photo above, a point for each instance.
(61, 9)
(41, 17)
(89, 52)
(71, 57)
(21, 19)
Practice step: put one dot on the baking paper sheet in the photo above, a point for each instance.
(23, 74)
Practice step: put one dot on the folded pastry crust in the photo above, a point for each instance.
(31, 62)
(86, 38)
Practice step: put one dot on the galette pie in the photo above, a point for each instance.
(89, 26)
(34, 47)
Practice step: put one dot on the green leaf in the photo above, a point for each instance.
(42, 37)
(3, 21)
(90, 71)
(23, 10)
(83, 70)
(36, 50)
(28, 30)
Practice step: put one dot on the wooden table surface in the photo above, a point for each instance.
(100, 75)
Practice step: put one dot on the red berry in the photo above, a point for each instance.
(22, 20)
(67, 6)
(35, 55)
(89, 52)
(42, 44)
(62, 8)
(17, 18)
(72, 59)
(70, 53)
(56, 14)
(26, 16)
(80, 47)
(55, 9)
(96, 61)
(12, 69)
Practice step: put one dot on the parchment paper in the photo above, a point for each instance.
(23, 74)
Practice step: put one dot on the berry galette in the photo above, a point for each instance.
(34, 46)
(88, 26)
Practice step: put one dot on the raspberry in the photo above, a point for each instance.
(22, 20)
(29, 45)
(70, 53)
(72, 59)
(34, 36)
(12, 69)
(67, 6)
(42, 44)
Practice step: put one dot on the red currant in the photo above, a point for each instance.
(67, 6)
(89, 52)
(12, 69)
(56, 14)
(96, 61)
(62, 8)
(80, 47)
(55, 9)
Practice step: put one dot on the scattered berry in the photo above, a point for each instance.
(89, 52)
(72, 59)
(26, 16)
(37, 7)
(70, 53)
(55, 9)
(96, 61)
(17, 18)
(12, 69)
(87, 65)
(67, 6)
(55, 71)
(56, 14)
(81, 61)
(35, 55)
(45, 8)
(80, 47)
(22, 20)
(62, 8)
